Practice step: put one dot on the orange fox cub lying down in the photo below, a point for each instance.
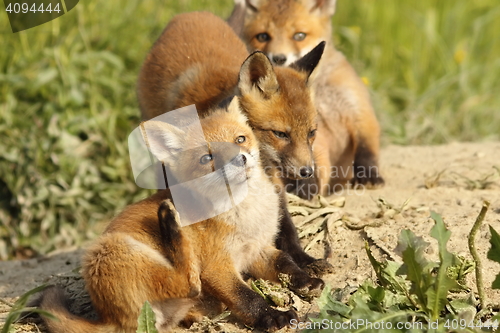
(144, 254)
(347, 144)
(199, 60)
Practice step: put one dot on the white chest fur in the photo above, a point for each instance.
(256, 222)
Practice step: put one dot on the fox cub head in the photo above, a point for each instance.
(286, 30)
(224, 153)
(280, 110)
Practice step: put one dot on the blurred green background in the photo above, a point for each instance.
(68, 103)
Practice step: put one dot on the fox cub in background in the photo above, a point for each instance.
(347, 143)
(144, 254)
(199, 60)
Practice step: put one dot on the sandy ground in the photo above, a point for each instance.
(452, 180)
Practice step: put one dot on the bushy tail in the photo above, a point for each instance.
(54, 301)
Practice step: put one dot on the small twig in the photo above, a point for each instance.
(475, 255)
(433, 180)
(353, 226)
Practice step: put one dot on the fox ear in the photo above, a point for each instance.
(309, 62)
(237, 18)
(234, 108)
(257, 73)
(163, 140)
(326, 7)
(253, 5)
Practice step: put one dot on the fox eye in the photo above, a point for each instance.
(240, 139)
(205, 159)
(312, 133)
(280, 135)
(299, 36)
(263, 37)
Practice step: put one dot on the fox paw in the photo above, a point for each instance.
(306, 286)
(371, 182)
(301, 258)
(318, 268)
(273, 319)
(191, 318)
(168, 213)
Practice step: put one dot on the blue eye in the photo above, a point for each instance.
(205, 159)
(299, 36)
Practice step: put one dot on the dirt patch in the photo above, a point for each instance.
(452, 180)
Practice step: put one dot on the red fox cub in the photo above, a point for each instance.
(347, 143)
(144, 254)
(198, 60)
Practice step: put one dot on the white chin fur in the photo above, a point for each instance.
(239, 174)
(290, 58)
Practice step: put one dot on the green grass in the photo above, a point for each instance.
(67, 98)
(417, 295)
(433, 65)
(67, 105)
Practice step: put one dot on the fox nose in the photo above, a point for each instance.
(306, 172)
(240, 160)
(279, 59)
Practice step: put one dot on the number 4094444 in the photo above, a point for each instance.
(35, 8)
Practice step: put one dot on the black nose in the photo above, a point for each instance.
(306, 172)
(240, 160)
(279, 59)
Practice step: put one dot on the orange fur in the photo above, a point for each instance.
(144, 254)
(169, 80)
(199, 60)
(348, 137)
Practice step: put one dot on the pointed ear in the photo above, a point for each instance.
(163, 140)
(309, 62)
(234, 108)
(237, 18)
(326, 7)
(253, 5)
(257, 73)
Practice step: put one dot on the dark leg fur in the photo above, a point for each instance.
(300, 282)
(266, 317)
(170, 233)
(227, 286)
(366, 170)
(303, 188)
(288, 241)
(288, 238)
